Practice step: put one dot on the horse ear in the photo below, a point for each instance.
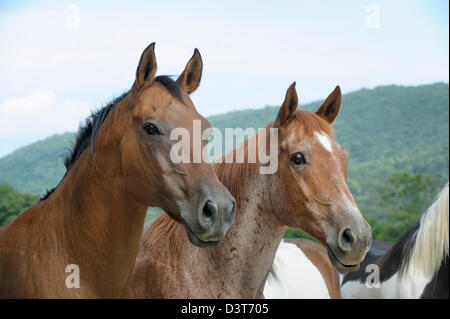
(146, 69)
(189, 80)
(288, 107)
(330, 108)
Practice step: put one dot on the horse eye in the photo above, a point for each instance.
(151, 129)
(298, 159)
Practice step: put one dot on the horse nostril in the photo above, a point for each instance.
(207, 209)
(347, 239)
(209, 213)
(348, 236)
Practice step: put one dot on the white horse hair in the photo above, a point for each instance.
(294, 276)
(432, 242)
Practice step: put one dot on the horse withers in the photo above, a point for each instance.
(81, 239)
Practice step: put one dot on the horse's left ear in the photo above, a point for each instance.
(189, 80)
(330, 108)
(288, 107)
(146, 69)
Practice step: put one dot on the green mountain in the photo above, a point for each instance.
(387, 130)
(38, 166)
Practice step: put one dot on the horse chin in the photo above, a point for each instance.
(193, 238)
(339, 265)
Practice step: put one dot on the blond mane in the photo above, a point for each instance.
(432, 240)
(311, 123)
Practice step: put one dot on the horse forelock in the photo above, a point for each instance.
(310, 123)
(431, 244)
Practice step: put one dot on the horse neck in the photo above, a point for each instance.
(251, 243)
(99, 226)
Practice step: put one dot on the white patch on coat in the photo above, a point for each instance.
(324, 140)
(296, 277)
(396, 287)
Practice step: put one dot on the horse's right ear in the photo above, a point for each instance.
(190, 78)
(146, 69)
(288, 107)
(330, 108)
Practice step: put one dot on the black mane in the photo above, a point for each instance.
(171, 86)
(88, 130)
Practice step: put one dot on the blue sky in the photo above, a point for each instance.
(58, 60)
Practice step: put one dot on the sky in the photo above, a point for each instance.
(61, 59)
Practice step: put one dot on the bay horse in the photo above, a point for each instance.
(302, 270)
(416, 266)
(307, 191)
(91, 223)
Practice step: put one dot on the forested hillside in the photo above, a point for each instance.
(387, 130)
(38, 166)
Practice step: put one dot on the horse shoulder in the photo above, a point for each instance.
(21, 261)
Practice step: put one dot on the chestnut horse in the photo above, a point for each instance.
(417, 266)
(302, 270)
(307, 191)
(89, 226)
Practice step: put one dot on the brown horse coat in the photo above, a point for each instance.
(90, 225)
(302, 193)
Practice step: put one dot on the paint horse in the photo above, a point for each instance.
(92, 222)
(417, 266)
(307, 191)
(302, 270)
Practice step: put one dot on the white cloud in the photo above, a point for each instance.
(250, 58)
(37, 115)
(104, 50)
(38, 101)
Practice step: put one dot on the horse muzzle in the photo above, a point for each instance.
(350, 246)
(214, 217)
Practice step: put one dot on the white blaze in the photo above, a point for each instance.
(324, 140)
